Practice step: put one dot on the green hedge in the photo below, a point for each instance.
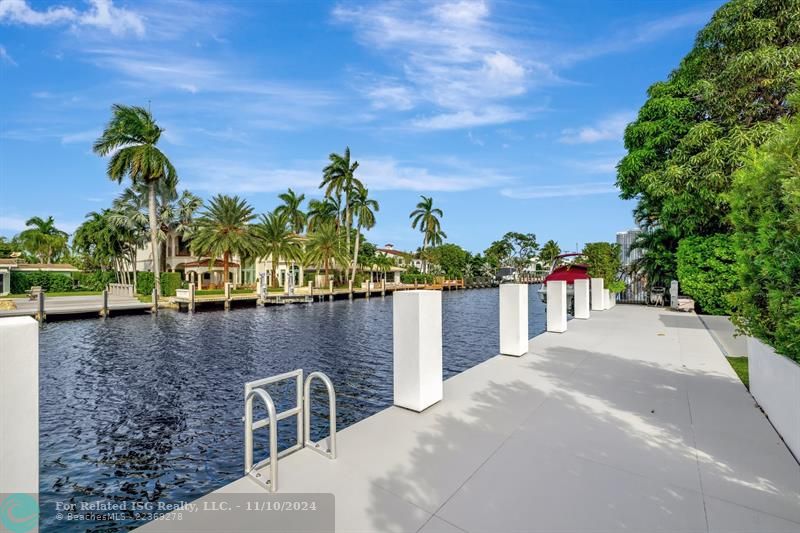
(169, 282)
(95, 281)
(707, 272)
(765, 211)
(418, 278)
(49, 281)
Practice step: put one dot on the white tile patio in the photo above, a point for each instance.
(632, 420)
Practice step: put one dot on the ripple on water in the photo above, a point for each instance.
(142, 408)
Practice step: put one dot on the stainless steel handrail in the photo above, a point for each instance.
(330, 452)
(301, 410)
(249, 469)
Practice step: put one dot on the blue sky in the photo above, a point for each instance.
(509, 113)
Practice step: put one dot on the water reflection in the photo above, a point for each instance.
(141, 408)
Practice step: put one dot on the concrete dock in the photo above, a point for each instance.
(76, 305)
(632, 420)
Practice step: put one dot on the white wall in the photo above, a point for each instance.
(775, 384)
(19, 405)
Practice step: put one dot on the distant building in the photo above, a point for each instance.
(625, 239)
(7, 266)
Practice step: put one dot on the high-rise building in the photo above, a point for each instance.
(625, 240)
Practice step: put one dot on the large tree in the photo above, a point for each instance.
(364, 209)
(224, 229)
(43, 239)
(130, 138)
(693, 131)
(428, 218)
(278, 241)
(339, 181)
(292, 209)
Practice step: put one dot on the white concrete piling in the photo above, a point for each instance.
(513, 319)
(597, 294)
(581, 299)
(417, 344)
(19, 405)
(557, 306)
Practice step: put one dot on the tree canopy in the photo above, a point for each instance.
(694, 130)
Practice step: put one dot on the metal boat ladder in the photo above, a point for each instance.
(301, 410)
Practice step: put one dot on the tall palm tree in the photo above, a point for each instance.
(324, 248)
(43, 238)
(292, 208)
(322, 211)
(338, 179)
(428, 218)
(224, 229)
(130, 138)
(550, 250)
(364, 209)
(278, 241)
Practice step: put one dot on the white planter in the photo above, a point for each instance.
(775, 384)
(581, 299)
(417, 343)
(597, 294)
(513, 319)
(557, 306)
(183, 293)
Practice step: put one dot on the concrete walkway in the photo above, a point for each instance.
(74, 305)
(631, 421)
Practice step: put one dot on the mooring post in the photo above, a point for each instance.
(513, 319)
(227, 287)
(383, 287)
(191, 297)
(104, 311)
(19, 408)
(597, 294)
(155, 301)
(350, 288)
(557, 306)
(581, 299)
(417, 346)
(40, 315)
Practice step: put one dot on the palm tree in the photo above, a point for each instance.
(322, 211)
(224, 229)
(383, 264)
(550, 250)
(291, 207)
(44, 239)
(364, 209)
(339, 179)
(278, 241)
(131, 137)
(427, 218)
(324, 248)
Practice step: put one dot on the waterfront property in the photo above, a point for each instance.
(632, 420)
(7, 266)
(155, 412)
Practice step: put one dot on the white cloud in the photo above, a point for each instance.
(101, 14)
(87, 136)
(557, 191)
(468, 118)
(597, 165)
(452, 57)
(5, 57)
(610, 128)
(379, 174)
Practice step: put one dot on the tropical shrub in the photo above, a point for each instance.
(707, 272)
(416, 278)
(169, 282)
(604, 261)
(765, 213)
(49, 281)
(95, 281)
(694, 130)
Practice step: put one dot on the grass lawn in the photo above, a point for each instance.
(53, 294)
(145, 298)
(739, 365)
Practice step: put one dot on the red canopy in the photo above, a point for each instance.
(569, 273)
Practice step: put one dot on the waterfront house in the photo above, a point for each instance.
(8, 266)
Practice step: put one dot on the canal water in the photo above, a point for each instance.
(148, 409)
